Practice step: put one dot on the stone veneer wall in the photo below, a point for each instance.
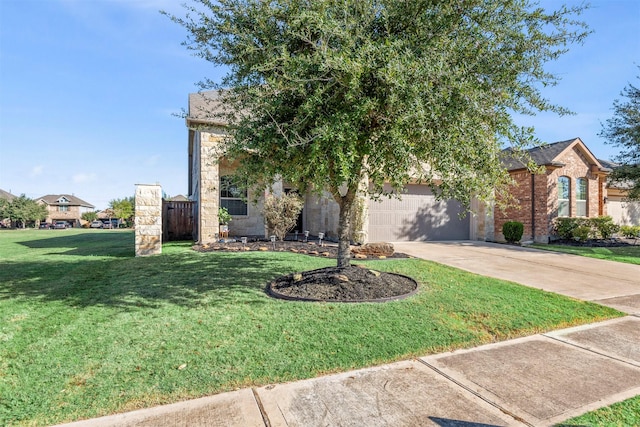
(148, 219)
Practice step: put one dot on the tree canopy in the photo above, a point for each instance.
(21, 210)
(123, 208)
(623, 130)
(328, 94)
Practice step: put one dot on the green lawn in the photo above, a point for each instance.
(622, 414)
(87, 329)
(628, 254)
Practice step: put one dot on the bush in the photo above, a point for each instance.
(281, 213)
(605, 227)
(564, 227)
(601, 227)
(512, 231)
(630, 231)
(582, 233)
(224, 217)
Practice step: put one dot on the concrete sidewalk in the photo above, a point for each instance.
(534, 381)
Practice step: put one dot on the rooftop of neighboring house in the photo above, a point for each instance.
(6, 195)
(64, 199)
(547, 155)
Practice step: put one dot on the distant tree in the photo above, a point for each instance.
(123, 208)
(623, 130)
(330, 94)
(21, 210)
(89, 216)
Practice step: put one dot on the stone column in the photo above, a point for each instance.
(148, 222)
(209, 198)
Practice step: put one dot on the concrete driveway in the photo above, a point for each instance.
(614, 284)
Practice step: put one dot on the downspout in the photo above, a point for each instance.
(533, 207)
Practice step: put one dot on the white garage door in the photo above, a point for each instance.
(417, 216)
(623, 212)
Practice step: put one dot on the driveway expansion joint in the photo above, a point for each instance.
(263, 412)
(568, 342)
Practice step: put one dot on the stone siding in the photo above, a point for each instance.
(148, 221)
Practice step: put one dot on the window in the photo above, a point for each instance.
(63, 208)
(232, 196)
(564, 190)
(581, 197)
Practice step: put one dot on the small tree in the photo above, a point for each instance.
(623, 130)
(123, 209)
(281, 213)
(89, 216)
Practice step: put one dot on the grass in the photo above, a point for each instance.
(628, 254)
(87, 329)
(622, 414)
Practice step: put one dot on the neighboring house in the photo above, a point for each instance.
(65, 207)
(573, 185)
(623, 211)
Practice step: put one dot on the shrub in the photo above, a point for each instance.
(605, 227)
(582, 233)
(281, 213)
(630, 231)
(512, 231)
(564, 227)
(224, 217)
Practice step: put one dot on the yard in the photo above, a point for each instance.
(87, 329)
(629, 254)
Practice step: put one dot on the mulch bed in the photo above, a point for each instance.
(350, 284)
(327, 250)
(616, 242)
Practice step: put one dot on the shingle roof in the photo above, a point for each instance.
(6, 195)
(544, 155)
(206, 107)
(52, 199)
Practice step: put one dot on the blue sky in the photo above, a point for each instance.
(89, 89)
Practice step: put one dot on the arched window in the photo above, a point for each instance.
(564, 194)
(581, 197)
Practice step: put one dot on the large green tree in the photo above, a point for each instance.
(623, 130)
(123, 208)
(328, 93)
(21, 210)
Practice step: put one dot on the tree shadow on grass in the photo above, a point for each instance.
(100, 243)
(186, 279)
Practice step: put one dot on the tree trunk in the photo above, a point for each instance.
(346, 204)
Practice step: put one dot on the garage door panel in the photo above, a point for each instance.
(417, 216)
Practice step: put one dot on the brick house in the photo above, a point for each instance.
(65, 207)
(573, 184)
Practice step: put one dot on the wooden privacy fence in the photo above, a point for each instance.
(177, 221)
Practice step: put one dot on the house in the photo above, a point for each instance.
(65, 207)
(417, 216)
(573, 184)
(623, 211)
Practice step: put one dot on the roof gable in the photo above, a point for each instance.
(6, 195)
(551, 155)
(64, 199)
